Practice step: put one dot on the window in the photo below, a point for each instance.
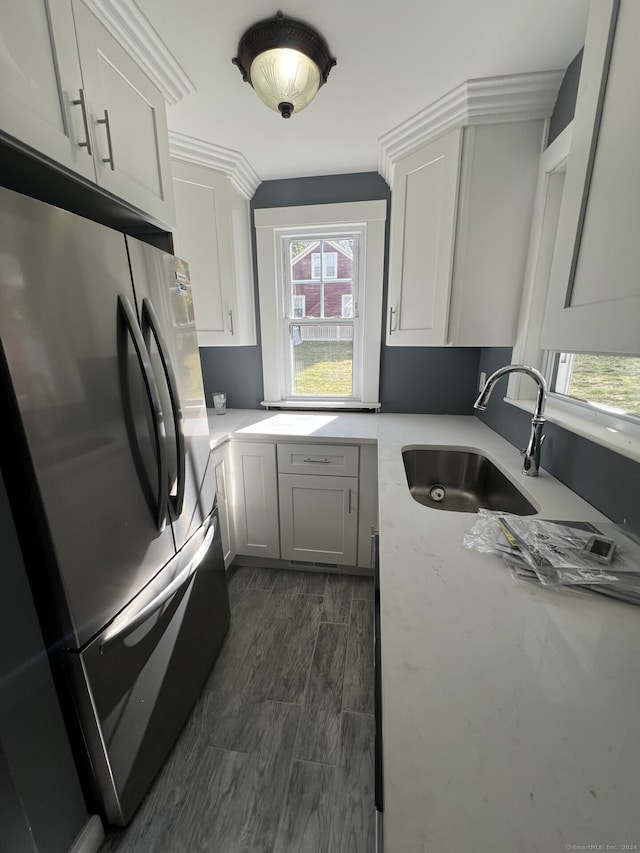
(320, 314)
(321, 354)
(608, 382)
(326, 261)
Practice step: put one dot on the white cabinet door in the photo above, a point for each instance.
(127, 117)
(220, 462)
(593, 301)
(319, 518)
(41, 90)
(423, 219)
(460, 224)
(255, 498)
(213, 235)
(495, 205)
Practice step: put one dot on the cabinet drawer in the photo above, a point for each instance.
(330, 459)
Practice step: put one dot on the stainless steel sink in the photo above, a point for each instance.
(461, 481)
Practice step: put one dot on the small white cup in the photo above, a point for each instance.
(220, 402)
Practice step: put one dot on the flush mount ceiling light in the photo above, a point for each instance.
(285, 61)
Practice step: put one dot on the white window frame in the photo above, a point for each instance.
(316, 267)
(618, 433)
(345, 297)
(301, 303)
(367, 220)
(315, 273)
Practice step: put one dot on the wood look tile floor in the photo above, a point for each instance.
(278, 755)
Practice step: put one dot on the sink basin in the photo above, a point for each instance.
(461, 481)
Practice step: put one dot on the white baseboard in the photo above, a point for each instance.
(90, 837)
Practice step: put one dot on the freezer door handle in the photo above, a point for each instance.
(150, 326)
(127, 622)
(128, 329)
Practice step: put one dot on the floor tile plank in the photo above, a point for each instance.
(353, 812)
(319, 734)
(313, 583)
(363, 587)
(337, 598)
(359, 676)
(292, 668)
(306, 819)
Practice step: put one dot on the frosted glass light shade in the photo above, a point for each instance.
(285, 76)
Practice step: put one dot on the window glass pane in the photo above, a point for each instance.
(315, 265)
(322, 357)
(331, 264)
(605, 380)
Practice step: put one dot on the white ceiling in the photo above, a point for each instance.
(394, 59)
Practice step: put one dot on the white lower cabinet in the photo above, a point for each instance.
(319, 518)
(220, 462)
(255, 498)
(304, 502)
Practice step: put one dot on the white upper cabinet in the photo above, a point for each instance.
(423, 219)
(460, 221)
(127, 118)
(593, 301)
(41, 89)
(213, 236)
(70, 93)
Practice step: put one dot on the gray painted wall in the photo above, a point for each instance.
(435, 380)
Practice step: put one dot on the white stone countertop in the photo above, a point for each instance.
(510, 711)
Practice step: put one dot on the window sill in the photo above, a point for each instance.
(619, 435)
(319, 404)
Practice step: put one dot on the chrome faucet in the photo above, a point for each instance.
(532, 451)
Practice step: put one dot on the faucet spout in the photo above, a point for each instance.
(532, 451)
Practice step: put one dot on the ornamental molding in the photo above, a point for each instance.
(201, 153)
(486, 100)
(136, 35)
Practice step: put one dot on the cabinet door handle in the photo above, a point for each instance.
(80, 102)
(107, 127)
(349, 501)
(230, 312)
(392, 327)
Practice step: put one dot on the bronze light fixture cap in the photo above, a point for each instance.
(285, 61)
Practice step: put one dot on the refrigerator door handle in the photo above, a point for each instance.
(150, 325)
(128, 329)
(126, 623)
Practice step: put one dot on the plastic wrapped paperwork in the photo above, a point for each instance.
(604, 559)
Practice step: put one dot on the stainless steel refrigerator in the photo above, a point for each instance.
(105, 452)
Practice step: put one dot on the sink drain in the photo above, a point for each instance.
(437, 493)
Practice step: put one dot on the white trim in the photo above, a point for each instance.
(201, 153)
(136, 35)
(365, 218)
(90, 837)
(318, 404)
(544, 222)
(487, 100)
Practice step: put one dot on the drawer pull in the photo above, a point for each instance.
(318, 461)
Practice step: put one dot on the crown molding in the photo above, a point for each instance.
(487, 100)
(132, 29)
(232, 163)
